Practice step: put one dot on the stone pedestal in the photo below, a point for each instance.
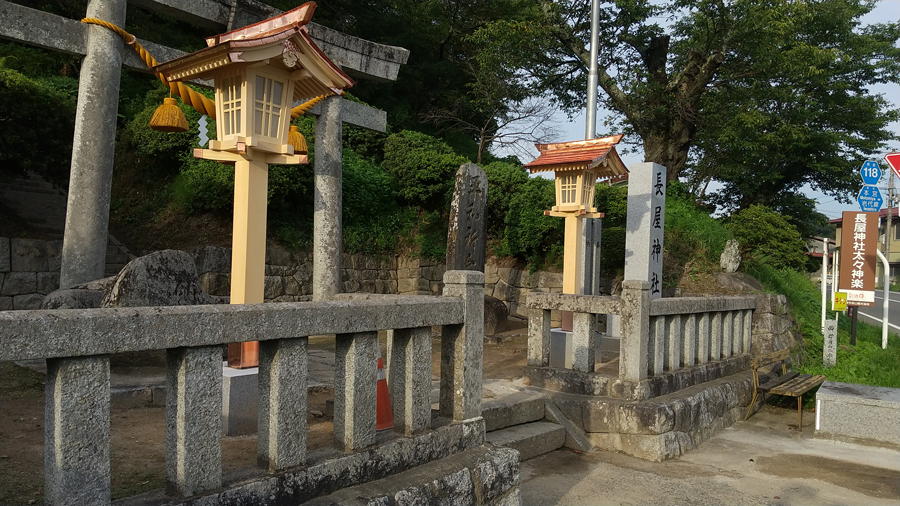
(561, 348)
(240, 400)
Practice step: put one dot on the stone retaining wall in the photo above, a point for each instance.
(29, 270)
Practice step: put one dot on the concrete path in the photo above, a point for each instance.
(757, 462)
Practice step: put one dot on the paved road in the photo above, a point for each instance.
(760, 461)
(873, 315)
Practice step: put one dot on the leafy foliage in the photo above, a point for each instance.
(712, 63)
(47, 106)
(530, 234)
(504, 181)
(423, 168)
(768, 237)
(795, 108)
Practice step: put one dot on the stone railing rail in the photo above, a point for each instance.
(658, 336)
(76, 344)
(688, 331)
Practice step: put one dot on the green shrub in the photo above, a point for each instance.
(37, 124)
(504, 181)
(423, 168)
(372, 220)
(612, 251)
(613, 201)
(204, 186)
(768, 237)
(529, 234)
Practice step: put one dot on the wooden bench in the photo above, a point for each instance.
(789, 383)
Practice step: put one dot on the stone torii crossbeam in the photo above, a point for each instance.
(87, 216)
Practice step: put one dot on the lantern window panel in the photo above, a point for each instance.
(587, 197)
(232, 96)
(568, 186)
(267, 106)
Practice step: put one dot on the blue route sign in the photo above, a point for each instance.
(870, 199)
(870, 173)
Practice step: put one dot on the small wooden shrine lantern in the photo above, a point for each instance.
(258, 72)
(577, 165)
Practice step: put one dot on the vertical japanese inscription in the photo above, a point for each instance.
(644, 248)
(466, 236)
(859, 236)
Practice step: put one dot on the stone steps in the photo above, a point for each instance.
(483, 476)
(530, 439)
(518, 418)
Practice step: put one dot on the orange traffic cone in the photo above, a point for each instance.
(384, 414)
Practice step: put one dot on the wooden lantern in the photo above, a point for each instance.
(258, 71)
(577, 165)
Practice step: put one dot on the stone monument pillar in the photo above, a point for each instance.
(645, 225)
(466, 236)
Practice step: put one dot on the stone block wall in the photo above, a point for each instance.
(289, 274)
(512, 284)
(774, 328)
(29, 270)
(420, 276)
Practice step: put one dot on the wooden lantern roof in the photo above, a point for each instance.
(282, 42)
(594, 154)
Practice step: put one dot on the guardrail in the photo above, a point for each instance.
(76, 345)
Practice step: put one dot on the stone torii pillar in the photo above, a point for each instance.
(90, 179)
(330, 114)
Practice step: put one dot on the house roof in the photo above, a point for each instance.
(599, 154)
(273, 40)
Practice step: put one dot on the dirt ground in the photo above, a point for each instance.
(138, 436)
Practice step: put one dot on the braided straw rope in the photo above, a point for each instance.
(202, 104)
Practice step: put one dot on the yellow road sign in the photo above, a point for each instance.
(840, 302)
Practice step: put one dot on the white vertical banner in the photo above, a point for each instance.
(645, 225)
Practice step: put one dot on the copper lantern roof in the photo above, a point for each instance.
(594, 154)
(282, 42)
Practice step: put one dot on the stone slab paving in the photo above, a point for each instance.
(761, 461)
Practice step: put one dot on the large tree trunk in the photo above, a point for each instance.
(669, 147)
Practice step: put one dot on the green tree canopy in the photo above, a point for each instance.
(664, 67)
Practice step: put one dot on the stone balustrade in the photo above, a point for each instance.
(666, 344)
(76, 345)
(688, 331)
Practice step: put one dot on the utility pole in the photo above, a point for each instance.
(888, 231)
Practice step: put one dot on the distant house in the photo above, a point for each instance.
(894, 244)
(814, 248)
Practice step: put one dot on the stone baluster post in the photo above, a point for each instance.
(656, 352)
(539, 337)
(583, 342)
(193, 420)
(689, 340)
(635, 330)
(410, 374)
(281, 433)
(716, 331)
(462, 347)
(76, 429)
(703, 333)
(674, 335)
(355, 397)
(748, 330)
(728, 334)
